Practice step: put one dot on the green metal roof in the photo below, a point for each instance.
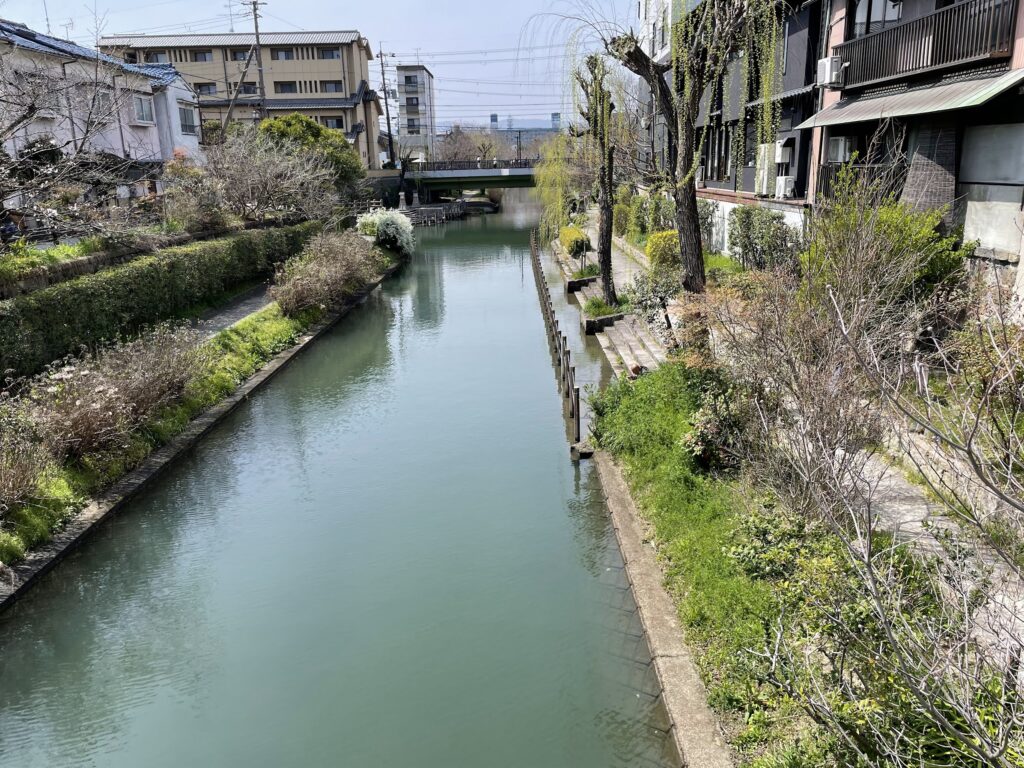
(943, 97)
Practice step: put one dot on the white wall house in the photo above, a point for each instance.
(85, 101)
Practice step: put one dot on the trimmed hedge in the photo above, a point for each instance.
(574, 240)
(663, 249)
(46, 325)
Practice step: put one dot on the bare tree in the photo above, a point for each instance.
(259, 175)
(61, 135)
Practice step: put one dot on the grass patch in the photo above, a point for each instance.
(591, 270)
(21, 261)
(719, 265)
(698, 522)
(596, 306)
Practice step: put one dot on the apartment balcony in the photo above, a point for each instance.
(964, 33)
(885, 177)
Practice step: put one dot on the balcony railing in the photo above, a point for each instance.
(974, 30)
(886, 177)
(482, 164)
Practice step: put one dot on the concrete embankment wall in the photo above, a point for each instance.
(695, 728)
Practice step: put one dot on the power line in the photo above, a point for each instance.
(484, 50)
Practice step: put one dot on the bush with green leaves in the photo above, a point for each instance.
(760, 238)
(636, 227)
(366, 223)
(40, 327)
(707, 210)
(663, 249)
(650, 292)
(661, 212)
(620, 219)
(575, 241)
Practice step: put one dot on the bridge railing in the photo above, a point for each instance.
(474, 165)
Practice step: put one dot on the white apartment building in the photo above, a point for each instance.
(417, 111)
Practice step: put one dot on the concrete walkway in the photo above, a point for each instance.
(215, 320)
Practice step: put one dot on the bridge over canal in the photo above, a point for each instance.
(473, 174)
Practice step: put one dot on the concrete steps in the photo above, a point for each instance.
(643, 333)
(618, 367)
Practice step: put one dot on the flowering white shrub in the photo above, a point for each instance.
(390, 229)
(394, 231)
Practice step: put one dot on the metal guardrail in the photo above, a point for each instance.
(482, 164)
(559, 343)
(961, 33)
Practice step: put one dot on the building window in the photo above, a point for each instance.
(338, 123)
(412, 80)
(156, 57)
(332, 86)
(874, 15)
(143, 109)
(239, 54)
(206, 89)
(246, 88)
(287, 86)
(187, 116)
(282, 54)
(202, 56)
(785, 44)
(664, 27)
(413, 127)
(328, 53)
(412, 101)
(132, 57)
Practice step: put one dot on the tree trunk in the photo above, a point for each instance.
(684, 192)
(604, 231)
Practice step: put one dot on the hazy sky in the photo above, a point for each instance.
(486, 55)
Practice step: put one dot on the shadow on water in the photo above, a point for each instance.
(383, 558)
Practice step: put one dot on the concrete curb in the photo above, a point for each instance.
(39, 561)
(695, 727)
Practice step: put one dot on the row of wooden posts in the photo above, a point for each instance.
(560, 344)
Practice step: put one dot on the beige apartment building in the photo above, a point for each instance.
(323, 75)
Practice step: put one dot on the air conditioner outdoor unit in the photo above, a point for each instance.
(840, 149)
(699, 177)
(785, 187)
(830, 72)
(764, 175)
(783, 152)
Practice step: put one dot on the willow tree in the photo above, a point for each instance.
(596, 109)
(703, 41)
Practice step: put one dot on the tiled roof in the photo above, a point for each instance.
(284, 104)
(227, 40)
(21, 36)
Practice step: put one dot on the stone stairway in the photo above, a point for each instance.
(629, 344)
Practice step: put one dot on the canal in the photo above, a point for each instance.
(384, 558)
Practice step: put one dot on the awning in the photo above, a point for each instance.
(918, 101)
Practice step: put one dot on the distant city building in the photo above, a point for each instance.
(417, 111)
(323, 75)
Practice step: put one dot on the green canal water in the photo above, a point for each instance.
(385, 558)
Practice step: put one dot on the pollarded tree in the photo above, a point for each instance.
(702, 42)
(597, 108)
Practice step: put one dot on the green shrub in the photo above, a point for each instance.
(591, 270)
(620, 219)
(595, 306)
(661, 212)
(575, 241)
(706, 211)
(760, 238)
(636, 227)
(663, 249)
(46, 325)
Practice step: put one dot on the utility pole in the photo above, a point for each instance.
(387, 109)
(259, 55)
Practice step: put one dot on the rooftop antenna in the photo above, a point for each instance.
(68, 26)
(46, 13)
(231, 16)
